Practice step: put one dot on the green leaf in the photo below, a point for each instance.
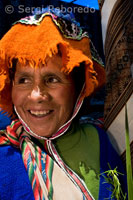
(111, 177)
(128, 159)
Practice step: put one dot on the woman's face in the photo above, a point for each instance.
(44, 97)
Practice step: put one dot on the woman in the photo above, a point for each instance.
(47, 69)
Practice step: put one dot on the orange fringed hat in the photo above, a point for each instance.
(36, 37)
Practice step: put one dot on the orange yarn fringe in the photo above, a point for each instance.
(21, 43)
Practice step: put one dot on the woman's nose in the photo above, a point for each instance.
(38, 95)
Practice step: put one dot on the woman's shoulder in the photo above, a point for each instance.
(10, 160)
(14, 181)
(9, 151)
(93, 127)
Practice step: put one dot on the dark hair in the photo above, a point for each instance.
(12, 70)
(78, 75)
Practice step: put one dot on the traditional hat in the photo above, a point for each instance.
(39, 36)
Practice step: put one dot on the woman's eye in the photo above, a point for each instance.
(52, 80)
(24, 80)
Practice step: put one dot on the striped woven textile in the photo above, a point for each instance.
(42, 170)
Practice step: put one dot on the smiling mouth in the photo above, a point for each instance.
(40, 113)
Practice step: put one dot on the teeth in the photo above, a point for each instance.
(38, 113)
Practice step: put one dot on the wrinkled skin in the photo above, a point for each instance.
(44, 97)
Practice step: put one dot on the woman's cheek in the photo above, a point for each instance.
(18, 96)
